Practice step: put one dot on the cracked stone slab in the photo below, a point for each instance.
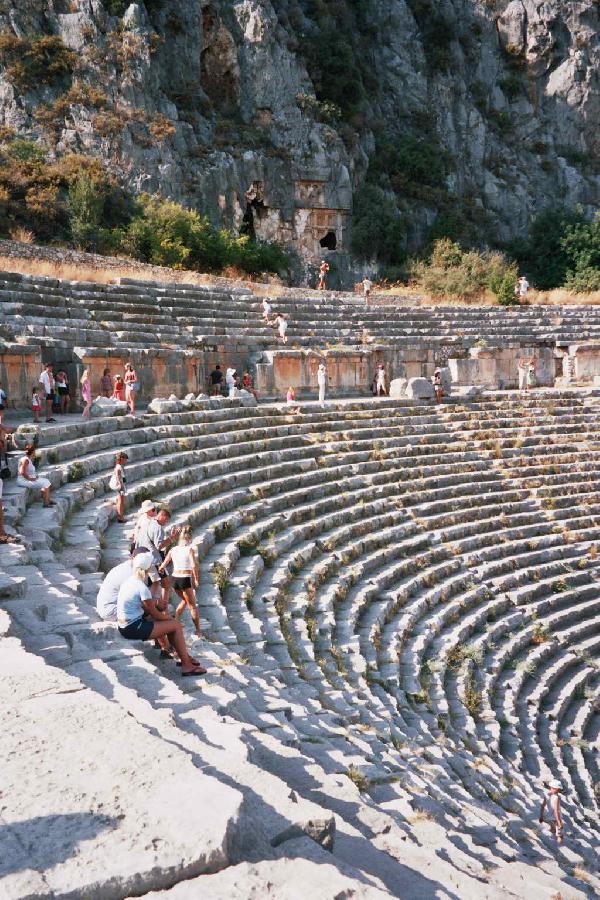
(92, 804)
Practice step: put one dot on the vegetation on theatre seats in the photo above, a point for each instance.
(451, 271)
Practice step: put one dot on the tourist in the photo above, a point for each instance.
(119, 390)
(367, 285)
(167, 539)
(380, 388)
(27, 476)
(552, 802)
(106, 599)
(2, 403)
(62, 389)
(131, 387)
(282, 326)
(140, 620)
(46, 381)
(523, 366)
(521, 288)
(248, 385)
(216, 380)
(86, 393)
(322, 382)
(36, 403)
(267, 310)
(106, 386)
(290, 398)
(117, 483)
(230, 376)
(323, 273)
(185, 577)
(531, 379)
(149, 533)
(438, 387)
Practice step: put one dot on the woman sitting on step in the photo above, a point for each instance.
(185, 575)
(28, 477)
(140, 620)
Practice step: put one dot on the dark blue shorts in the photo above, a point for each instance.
(138, 630)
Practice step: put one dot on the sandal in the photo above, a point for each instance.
(199, 670)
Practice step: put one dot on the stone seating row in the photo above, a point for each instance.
(338, 706)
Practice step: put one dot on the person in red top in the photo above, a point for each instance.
(119, 391)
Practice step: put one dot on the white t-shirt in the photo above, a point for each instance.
(106, 601)
(114, 478)
(282, 326)
(182, 558)
(150, 534)
(380, 375)
(523, 286)
(47, 381)
(131, 595)
(367, 285)
(266, 307)
(321, 375)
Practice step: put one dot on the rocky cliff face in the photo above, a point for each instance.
(472, 114)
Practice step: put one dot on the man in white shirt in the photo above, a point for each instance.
(47, 384)
(106, 601)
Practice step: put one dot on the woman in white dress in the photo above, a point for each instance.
(322, 382)
(27, 476)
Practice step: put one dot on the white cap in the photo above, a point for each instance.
(147, 505)
(142, 561)
(555, 783)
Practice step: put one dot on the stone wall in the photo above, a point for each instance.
(20, 369)
(499, 367)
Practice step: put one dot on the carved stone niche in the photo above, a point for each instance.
(310, 193)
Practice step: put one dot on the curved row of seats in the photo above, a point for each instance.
(62, 314)
(408, 591)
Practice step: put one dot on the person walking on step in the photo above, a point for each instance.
(367, 285)
(46, 383)
(267, 310)
(322, 382)
(216, 380)
(551, 802)
(185, 578)
(230, 376)
(27, 476)
(282, 327)
(140, 620)
(131, 387)
(323, 273)
(106, 385)
(117, 483)
(62, 388)
(86, 393)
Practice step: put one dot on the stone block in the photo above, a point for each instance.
(398, 388)
(107, 406)
(162, 407)
(247, 399)
(419, 389)
(322, 831)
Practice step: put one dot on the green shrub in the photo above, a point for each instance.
(581, 246)
(512, 86)
(163, 233)
(32, 61)
(377, 229)
(543, 255)
(437, 33)
(453, 272)
(86, 205)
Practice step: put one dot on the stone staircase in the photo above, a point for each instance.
(402, 631)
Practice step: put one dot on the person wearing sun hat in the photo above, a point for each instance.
(106, 601)
(551, 801)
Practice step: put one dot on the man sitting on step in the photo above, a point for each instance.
(106, 601)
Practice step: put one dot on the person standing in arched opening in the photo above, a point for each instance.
(62, 387)
(322, 382)
(380, 388)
